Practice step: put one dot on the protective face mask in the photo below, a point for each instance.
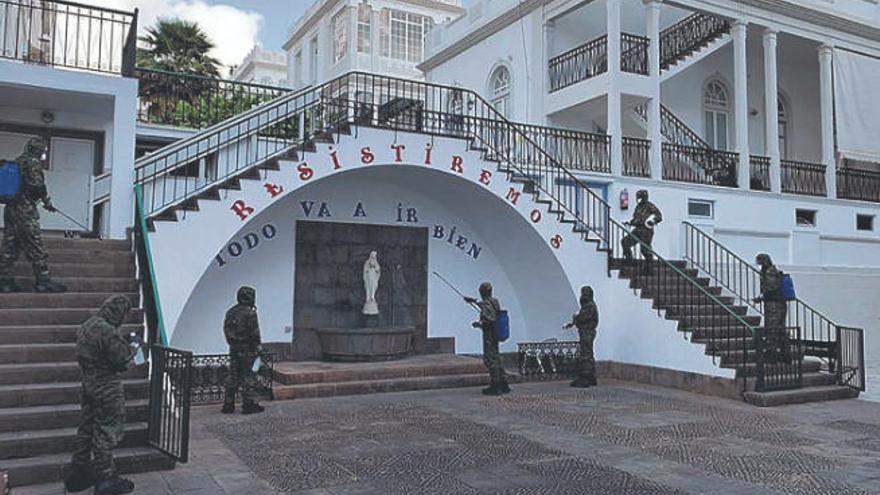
(257, 364)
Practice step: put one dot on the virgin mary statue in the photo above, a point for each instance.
(372, 272)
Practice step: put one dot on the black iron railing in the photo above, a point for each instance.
(803, 178)
(780, 359)
(699, 165)
(547, 360)
(854, 183)
(170, 384)
(851, 357)
(194, 101)
(759, 173)
(634, 53)
(211, 370)
(742, 280)
(579, 64)
(636, 157)
(359, 99)
(688, 36)
(147, 276)
(574, 150)
(68, 34)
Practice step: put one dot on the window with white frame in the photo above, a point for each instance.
(782, 108)
(499, 87)
(701, 208)
(364, 28)
(340, 35)
(716, 114)
(403, 34)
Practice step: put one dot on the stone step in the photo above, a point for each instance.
(87, 257)
(736, 355)
(703, 333)
(86, 284)
(32, 443)
(54, 243)
(750, 369)
(679, 292)
(60, 316)
(313, 390)
(63, 416)
(725, 343)
(48, 334)
(662, 271)
(669, 284)
(618, 263)
(47, 394)
(49, 372)
(687, 298)
(800, 395)
(300, 373)
(690, 309)
(59, 270)
(718, 318)
(48, 469)
(37, 353)
(65, 300)
(810, 379)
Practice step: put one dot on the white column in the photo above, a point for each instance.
(375, 48)
(615, 128)
(655, 135)
(353, 36)
(741, 102)
(771, 110)
(548, 53)
(826, 116)
(120, 156)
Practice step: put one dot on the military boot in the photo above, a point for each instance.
(46, 285)
(250, 407)
(228, 402)
(492, 389)
(78, 477)
(591, 380)
(503, 387)
(579, 382)
(8, 286)
(114, 486)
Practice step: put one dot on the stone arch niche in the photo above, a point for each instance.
(473, 235)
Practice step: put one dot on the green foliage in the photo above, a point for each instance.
(176, 45)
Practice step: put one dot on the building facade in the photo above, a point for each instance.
(379, 36)
(262, 66)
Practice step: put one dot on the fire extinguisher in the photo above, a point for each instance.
(624, 199)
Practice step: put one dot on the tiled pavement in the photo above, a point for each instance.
(544, 438)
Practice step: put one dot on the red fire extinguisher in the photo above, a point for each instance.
(624, 199)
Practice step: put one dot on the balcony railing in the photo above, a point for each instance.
(193, 101)
(699, 165)
(760, 173)
(854, 183)
(634, 53)
(635, 157)
(69, 35)
(579, 64)
(574, 150)
(688, 35)
(803, 178)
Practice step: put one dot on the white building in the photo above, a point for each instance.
(261, 66)
(380, 36)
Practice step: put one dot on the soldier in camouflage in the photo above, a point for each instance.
(103, 355)
(586, 320)
(242, 330)
(775, 307)
(489, 308)
(21, 220)
(645, 216)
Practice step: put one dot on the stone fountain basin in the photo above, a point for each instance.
(365, 344)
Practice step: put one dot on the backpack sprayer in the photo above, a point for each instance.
(502, 323)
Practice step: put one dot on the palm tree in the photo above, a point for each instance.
(176, 46)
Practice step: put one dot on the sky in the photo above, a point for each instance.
(234, 26)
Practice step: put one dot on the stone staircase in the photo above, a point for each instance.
(725, 343)
(39, 376)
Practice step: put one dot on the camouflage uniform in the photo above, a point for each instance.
(242, 330)
(586, 320)
(104, 356)
(775, 307)
(21, 220)
(640, 230)
(489, 309)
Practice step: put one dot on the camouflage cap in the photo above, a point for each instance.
(642, 193)
(247, 295)
(486, 289)
(763, 258)
(114, 309)
(36, 146)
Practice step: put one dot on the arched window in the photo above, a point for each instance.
(782, 108)
(499, 86)
(716, 111)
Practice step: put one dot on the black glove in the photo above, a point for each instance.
(47, 204)
(476, 324)
(470, 300)
(758, 299)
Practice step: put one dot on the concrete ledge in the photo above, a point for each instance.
(661, 377)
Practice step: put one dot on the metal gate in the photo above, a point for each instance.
(170, 388)
(851, 357)
(780, 358)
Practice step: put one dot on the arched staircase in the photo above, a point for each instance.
(705, 310)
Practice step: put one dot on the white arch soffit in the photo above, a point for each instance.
(183, 251)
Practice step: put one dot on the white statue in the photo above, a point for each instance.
(372, 272)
